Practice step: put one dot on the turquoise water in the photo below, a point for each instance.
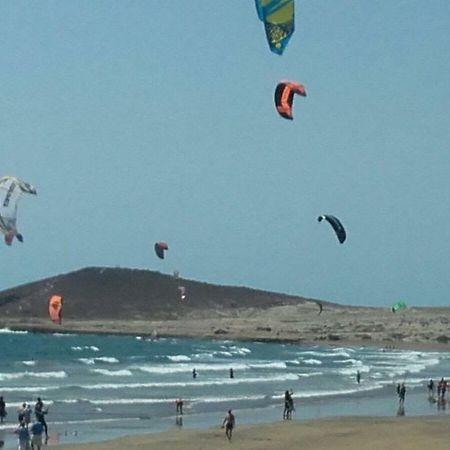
(97, 387)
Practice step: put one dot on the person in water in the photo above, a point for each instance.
(358, 376)
(229, 423)
(3, 412)
(194, 374)
(179, 403)
(231, 373)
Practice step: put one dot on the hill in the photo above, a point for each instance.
(97, 293)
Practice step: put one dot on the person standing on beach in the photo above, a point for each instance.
(229, 423)
(430, 387)
(40, 412)
(288, 405)
(36, 435)
(27, 414)
(3, 412)
(23, 437)
(402, 394)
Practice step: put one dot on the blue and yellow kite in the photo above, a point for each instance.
(279, 22)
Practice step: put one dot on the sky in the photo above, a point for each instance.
(143, 121)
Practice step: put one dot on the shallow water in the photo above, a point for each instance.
(98, 387)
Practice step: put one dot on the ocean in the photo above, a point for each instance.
(100, 387)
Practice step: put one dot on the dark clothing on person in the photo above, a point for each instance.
(40, 412)
(179, 404)
(3, 413)
(358, 376)
(229, 423)
(288, 405)
(194, 373)
(402, 393)
(231, 373)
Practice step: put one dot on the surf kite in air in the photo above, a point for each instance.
(160, 248)
(337, 226)
(284, 97)
(398, 306)
(278, 17)
(55, 304)
(11, 189)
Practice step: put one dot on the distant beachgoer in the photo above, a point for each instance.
(179, 403)
(358, 376)
(36, 431)
(291, 403)
(398, 389)
(444, 389)
(23, 437)
(21, 413)
(194, 374)
(288, 405)
(402, 394)
(231, 373)
(430, 387)
(27, 414)
(229, 423)
(40, 412)
(3, 412)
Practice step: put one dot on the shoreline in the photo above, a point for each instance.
(342, 433)
(119, 328)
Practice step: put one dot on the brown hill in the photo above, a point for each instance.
(119, 294)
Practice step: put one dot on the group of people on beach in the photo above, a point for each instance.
(29, 432)
(441, 390)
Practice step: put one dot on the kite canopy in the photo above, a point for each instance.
(160, 247)
(11, 190)
(55, 304)
(398, 306)
(278, 17)
(284, 97)
(337, 226)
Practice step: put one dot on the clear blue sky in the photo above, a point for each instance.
(140, 121)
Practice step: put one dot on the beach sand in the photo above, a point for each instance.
(367, 433)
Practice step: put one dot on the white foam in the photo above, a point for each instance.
(216, 382)
(312, 362)
(179, 358)
(29, 363)
(27, 374)
(205, 367)
(8, 331)
(85, 347)
(106, 359)
(113, 373)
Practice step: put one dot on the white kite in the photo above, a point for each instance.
(11, 189)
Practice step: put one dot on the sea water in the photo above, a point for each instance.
(100, 387)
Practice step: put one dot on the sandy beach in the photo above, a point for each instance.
(369, 433)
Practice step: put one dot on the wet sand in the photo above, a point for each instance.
(368, 433)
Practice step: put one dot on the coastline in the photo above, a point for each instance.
(411, 433)
(336, 332)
